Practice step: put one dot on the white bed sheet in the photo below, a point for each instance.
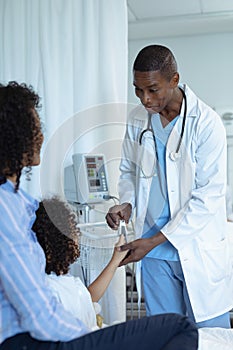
(215, 339)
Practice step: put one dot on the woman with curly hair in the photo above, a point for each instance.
(57, 232)
(20, 125)
(30, 316)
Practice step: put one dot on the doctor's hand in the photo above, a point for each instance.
(140, 247)
(117, 213)
(136, 250)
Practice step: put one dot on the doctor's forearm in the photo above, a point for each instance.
(158, 239)
(140, 247)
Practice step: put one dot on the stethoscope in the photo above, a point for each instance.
(174, 155)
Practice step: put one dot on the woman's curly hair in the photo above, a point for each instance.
(57, 232)
(18, 129)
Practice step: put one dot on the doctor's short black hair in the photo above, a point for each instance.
(57, 233)
(18, 129)
(156, 58)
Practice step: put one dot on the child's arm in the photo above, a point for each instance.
(100, 284)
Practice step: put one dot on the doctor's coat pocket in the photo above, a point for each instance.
(216, 260)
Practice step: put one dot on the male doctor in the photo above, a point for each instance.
(173, 173)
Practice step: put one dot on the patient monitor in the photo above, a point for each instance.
(86, 181)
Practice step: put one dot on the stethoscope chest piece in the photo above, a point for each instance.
(174, 156)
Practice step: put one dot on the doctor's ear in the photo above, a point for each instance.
(175, 80)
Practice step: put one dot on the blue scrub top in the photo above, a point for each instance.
(158, 211)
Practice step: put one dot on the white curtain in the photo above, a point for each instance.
(74, 53)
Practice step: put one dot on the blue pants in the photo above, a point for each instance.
(165, 291)
(161, 332)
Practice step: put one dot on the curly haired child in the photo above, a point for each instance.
(57, 232)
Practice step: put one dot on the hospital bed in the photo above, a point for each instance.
(97, 242)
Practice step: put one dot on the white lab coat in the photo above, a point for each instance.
(196, 184)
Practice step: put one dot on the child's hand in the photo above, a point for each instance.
(118, 256)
